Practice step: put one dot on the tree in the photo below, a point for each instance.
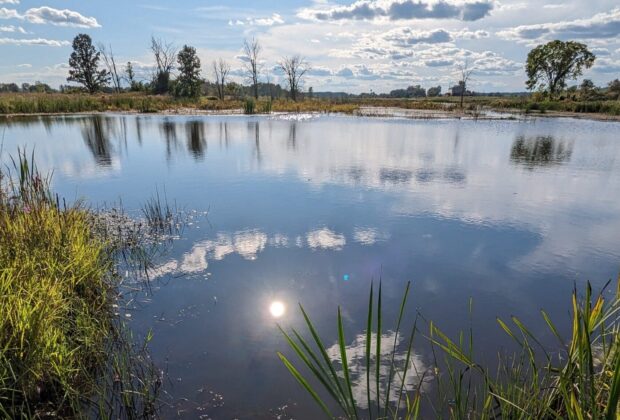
(465, 73)
(84, 63)
(165, 55)
(9, 87)
(587, 90)
(251, 51)
(550, 65)
(108, 59)
(189, 81)
(433, 91)
(221, 69)
(130, 77)
(613, 89)
(294, 69)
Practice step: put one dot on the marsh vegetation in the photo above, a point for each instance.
(65, 348)
(579, 378)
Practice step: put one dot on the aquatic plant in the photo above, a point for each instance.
(249, 106)
(580, 380)
(160, 216)
(63, 348)
(49, 103)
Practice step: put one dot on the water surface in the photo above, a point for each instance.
(312, 208)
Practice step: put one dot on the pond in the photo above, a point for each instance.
(311, 209)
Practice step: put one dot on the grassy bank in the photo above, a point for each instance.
(33, 103)
(63, 350)
(577, 378)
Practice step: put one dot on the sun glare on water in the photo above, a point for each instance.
(277, 309)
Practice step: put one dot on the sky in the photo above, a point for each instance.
(351, 46)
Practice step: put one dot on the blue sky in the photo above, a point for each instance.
(352, 45)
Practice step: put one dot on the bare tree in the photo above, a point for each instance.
(165, 55)
(108, 59)
(221, 69)
(465, 76)
(251, 51)
(294, 68)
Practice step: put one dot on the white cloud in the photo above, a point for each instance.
(11, 28)
(24, 66)
(401, 10)
(9, 13)
(607, 66)
(9, 1)
(34, 41)
(599, 26)
(49, 15)
(275, 19)
(65, 17)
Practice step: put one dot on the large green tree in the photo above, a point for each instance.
(84, 65)
(550, 65)
(189, 82)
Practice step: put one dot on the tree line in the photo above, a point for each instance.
(179, 71)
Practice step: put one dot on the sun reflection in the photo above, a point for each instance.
(277, 309)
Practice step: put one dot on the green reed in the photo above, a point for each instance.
(63, 348)
(579, 380)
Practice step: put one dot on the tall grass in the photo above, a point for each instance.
(580, 380)
(50, 103)
(249, 106)
(61, 341)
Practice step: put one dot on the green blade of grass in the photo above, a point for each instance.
(391, 371)
(378, 351)
(320, 375)
(407, 360)
(305, 384)
(614, 391)
(509, 331)
(345, 363)
(328, 362)
(552, 327)
(368, 347)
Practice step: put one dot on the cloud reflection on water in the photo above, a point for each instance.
(248, 244)
(418, 374)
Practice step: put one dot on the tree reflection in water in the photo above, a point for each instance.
(96, 132)
(196, 141)
(540, 151)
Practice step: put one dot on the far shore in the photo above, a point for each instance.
(364, 111)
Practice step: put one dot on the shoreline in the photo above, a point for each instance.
(362, 111)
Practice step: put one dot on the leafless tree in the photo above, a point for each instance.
(294, 69)
(221, 69)
(110, 63)
(251, 51)
(465, 76)
(165, 55)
